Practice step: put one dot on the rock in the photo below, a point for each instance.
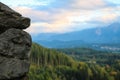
(5, 8)
(12, 68)
(11, 19)
(15, 43)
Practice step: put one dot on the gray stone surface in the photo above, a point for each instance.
(12, 68)
(15, 43)
(11, 19)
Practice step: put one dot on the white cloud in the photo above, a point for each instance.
(25, 2)
(108, 15)
(79, 16)
(69, 20)
(35, 15)
(88, 4)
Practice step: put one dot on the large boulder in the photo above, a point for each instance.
(15, 45)
(11, 68)
(11, 19)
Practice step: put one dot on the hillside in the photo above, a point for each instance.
(44, 56)
(102, 35)
(89, 55)
(48, 64)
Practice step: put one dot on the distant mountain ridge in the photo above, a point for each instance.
(102, 35)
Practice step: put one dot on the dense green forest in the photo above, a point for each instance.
(51, 64)
(92, 56)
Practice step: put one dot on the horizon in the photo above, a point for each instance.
(55, 16)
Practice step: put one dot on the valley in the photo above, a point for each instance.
(73, 64)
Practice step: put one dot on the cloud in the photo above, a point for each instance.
(79, 4)
(69, 15)
(65, 21)
(107, 18)
(26, 2)
(35, 15)
(108, 15)
(57, 23)
(88, 4)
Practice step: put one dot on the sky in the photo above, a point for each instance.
(61, 16)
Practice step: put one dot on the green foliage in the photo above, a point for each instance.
(44, 56)
(48, 64)
(92, 56)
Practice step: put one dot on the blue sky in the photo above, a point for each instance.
(60, 16)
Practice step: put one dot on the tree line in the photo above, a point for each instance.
(49, 64)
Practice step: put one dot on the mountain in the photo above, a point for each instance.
(61, 44)
(102, 35)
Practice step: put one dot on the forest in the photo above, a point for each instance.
(73, 64)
